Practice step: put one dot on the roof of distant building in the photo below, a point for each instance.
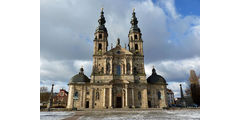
(169, 91)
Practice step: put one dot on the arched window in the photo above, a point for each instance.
(99, 46)
(159, 95)
(135, 70)
(136, 46)
(100, 36)
(149, 92)
(108, 68)
(97, 95)
(135, 37)
(118, 70)
(128, 68)
(76, 95)
(102, 70)
(139, 95)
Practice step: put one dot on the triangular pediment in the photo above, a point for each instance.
(118, 50)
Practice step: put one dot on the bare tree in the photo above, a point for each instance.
(43, 89)
(44, 94)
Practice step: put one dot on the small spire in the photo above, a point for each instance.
(125, 46)
(153, 70)
(111, 45)
(81, 69)
(134, 20)
(134, 23)
(118, 41)
(102, 20)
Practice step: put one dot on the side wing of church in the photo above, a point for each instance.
(118, 78)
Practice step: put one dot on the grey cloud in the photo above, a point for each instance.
(67, 29)
(56, 70)
(174, 70)
(68, 26)
(61, 71)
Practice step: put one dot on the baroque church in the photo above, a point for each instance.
(118, 78)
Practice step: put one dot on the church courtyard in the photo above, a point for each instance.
(119, 114)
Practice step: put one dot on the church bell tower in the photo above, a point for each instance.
(101, 34)
(135, 36)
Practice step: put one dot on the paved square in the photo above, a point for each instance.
(184, 114)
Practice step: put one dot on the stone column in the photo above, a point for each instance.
(81, 98)
(104, 89)
(93, 96)
(50, 99)
(111, 66)
(84, 96)
(126, 96)
(70, 97)
(122, 68)
(123, 97)
(144, 98)
(165, 98)
(125, 66)
(91, 100)
(133, 106)
(105, 66)
(153, 94)
(131, 67)
(110, 97)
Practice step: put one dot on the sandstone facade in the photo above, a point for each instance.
(118, 78)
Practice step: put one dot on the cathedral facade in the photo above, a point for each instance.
(118, 78)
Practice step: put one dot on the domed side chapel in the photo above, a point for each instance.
(118, 78)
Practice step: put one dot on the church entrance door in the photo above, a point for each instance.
(149, 104)
(87, 104)
(119, 102)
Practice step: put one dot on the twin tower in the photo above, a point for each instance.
(135, 44)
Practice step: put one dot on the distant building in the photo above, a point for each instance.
(195, 87)
(170, 96)
(194, 79)
(60, 99)
(178, 101)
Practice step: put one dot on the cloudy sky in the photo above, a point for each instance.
(171, 35)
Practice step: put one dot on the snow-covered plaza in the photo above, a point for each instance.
(183, 114)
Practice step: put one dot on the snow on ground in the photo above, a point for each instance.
(192, 114)
(55, 115)
(184, 114)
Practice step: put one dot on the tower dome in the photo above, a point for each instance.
(155, 78)
(80, 77)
